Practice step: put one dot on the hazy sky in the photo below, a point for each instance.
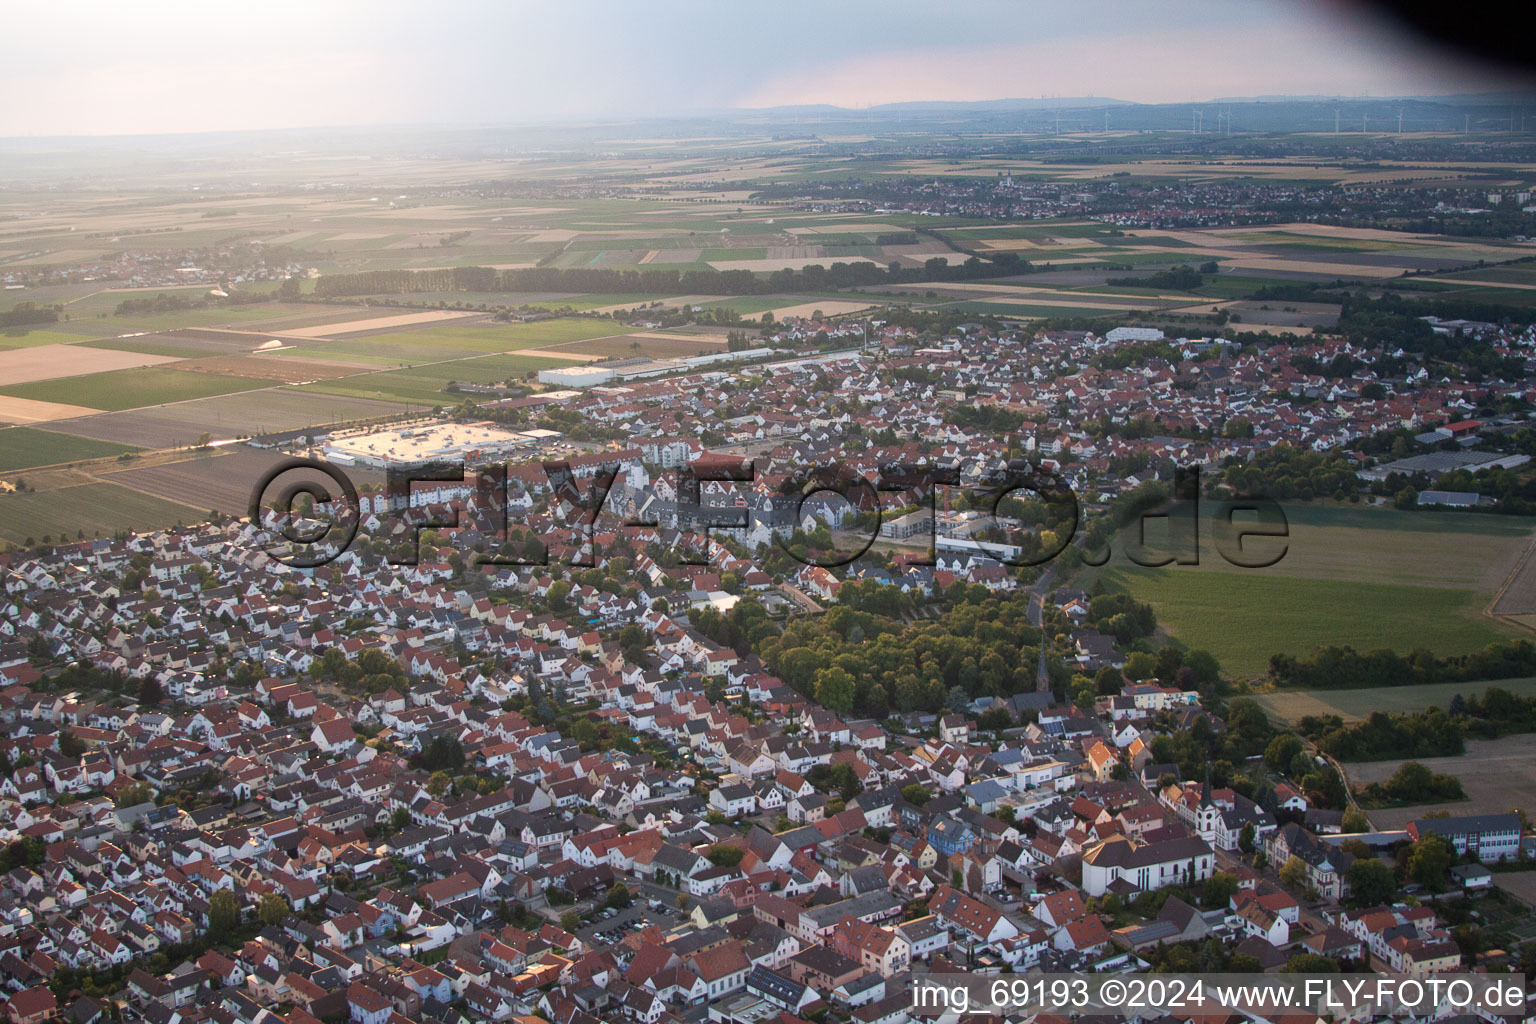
(99, 67)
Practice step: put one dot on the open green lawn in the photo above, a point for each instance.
(1369, 578)
(131, 389)
(1350, 705)
(25, 447)
(92, 509)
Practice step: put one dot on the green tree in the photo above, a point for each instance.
(1354, 821)
(1310, 963)
(1371, 881)
(1140, 666)
(570, 921)
(223, 916)
(1245, 838)
(137, 793)
(915, 794)
(438, 783)
(835, 689)
(1429, 860)
(150, 692)
(725, 855)
(272, 909)
(1217, 890)
(559, 594)
(1293, 873)
(70, 745)
(1282, 750)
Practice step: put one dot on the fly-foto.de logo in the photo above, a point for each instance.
(308, 512)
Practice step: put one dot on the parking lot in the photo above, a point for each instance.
(611, 926)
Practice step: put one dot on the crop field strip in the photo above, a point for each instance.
(92, 509)
(1366, 578)
(27, 447)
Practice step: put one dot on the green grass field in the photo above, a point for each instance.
(1322, 243)
(213, 317)
(1369, 578)
(17, 338)
(92, 509)
(432, 344)
(25, 447)
(153, 345)
(1244, 616)
(1351, 705)
(508, 337)
(130, 389)
(423, 385)
(107, 300)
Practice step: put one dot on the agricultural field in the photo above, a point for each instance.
(225, 416)
(423, 385)
(1368, 578)
(25, 447)
(49, 362)
(1355, 704)
(1496, 775)
(16, 338)
(654, 345)
(1244, 616)
(271, 369)
(220, 479)
(129, 389)
(96, 509)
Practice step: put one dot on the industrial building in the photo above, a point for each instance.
(417, 444)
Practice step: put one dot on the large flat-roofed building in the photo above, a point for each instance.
(1488, 837)
(1435, 463)
(576, 376)
(475, 443)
